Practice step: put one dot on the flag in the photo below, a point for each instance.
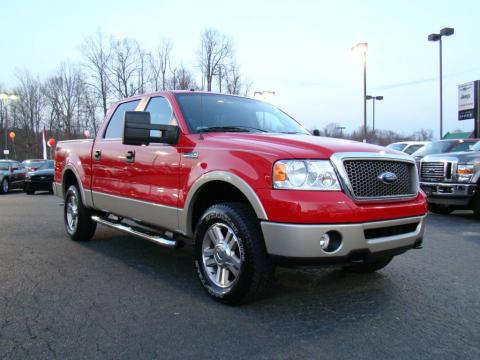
(44, 145)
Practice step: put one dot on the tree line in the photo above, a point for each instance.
(75, 98)
(377, 136)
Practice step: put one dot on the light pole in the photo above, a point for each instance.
(373, 98)
(362, 48)
(5, 99)
(438, 37)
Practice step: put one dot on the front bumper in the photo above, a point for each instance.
(455, 194)
(302, 242)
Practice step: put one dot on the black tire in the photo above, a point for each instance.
(4, 184)
(83, 227)
(440, 209)
(29, 190)
(369, 267)
(255, 269)
(476, 203)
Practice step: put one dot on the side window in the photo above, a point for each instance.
(115, 126)
(160, 111)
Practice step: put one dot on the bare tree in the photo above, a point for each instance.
(28, 111)
(97, 54)
(215, 50)
(234, 81)
(423, 134)
(159, 63)
(123, 67)
(184, 79)
(65, 92)
(142, 75)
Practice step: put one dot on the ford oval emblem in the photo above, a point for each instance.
(387, 177)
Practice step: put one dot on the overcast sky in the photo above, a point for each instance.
(299, 49)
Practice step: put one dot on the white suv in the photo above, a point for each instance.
(408, 147)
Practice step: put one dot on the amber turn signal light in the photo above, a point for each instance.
(280, 172)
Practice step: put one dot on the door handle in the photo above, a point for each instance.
(97, 155)
(130, 156)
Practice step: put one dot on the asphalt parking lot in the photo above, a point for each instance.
(121, 297)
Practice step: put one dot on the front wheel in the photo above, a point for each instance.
(369, 267)
(77, 217)
(230, 254)
(476, 204)
(440, 209)
(4, 186)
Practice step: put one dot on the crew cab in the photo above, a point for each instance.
(245, 183)
(451, 181)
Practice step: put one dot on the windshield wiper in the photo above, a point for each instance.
(236, 128)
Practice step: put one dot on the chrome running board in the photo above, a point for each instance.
(139, 232)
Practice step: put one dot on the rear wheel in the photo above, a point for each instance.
(230, 254)
(369, 267)
(77, 217)
(440, 209)
(4, 186)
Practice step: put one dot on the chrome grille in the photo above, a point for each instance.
(432, 171)
(365, 184)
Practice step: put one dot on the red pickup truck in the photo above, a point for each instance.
(245, 183)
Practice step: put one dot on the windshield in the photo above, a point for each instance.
(35, 164)
(476, 147)
(4, 165)
(398, 147)
(437, 147)
(48, 165)
(212, 112)
(462, 146)
(412, 148)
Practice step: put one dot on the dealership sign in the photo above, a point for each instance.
(468, 100)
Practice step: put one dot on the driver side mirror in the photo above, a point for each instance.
(137, 126)
(316, 132)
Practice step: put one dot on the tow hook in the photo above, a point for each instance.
(418, 244)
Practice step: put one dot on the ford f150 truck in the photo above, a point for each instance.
(451, 181)
(243, 181)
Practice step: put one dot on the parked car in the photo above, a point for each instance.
(12, 175)
(408, 147)
(33, 164)
(40, 179)
(245, 183)
(452, 181)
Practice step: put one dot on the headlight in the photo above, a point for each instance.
(305, 175)
(465, 172)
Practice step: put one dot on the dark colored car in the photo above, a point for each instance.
(40, 179)
(33, 164)
(442, 147)
(12, 175)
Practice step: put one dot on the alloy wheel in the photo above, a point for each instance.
(221, 255)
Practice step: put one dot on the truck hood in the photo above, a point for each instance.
(293, 145)
(461, 157)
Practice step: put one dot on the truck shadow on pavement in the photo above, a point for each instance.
(336, 292)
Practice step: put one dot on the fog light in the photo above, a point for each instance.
(324, 241)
